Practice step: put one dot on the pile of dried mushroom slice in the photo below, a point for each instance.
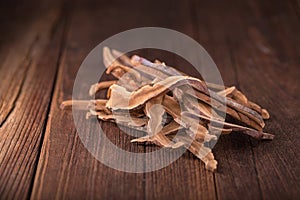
(162, 101)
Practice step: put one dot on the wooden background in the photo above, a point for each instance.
(254, 43)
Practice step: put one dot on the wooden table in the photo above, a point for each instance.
(255, 44)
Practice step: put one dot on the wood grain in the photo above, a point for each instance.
(271, 160)
(25, 97)
(255, 45)
(233, 152)
(186, 178)
(66, 169)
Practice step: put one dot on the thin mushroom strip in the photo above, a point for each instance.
(99, 86)
(235, 113)
(170, 108)
(161, 138)
(122, 99)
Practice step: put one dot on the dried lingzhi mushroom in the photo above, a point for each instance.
(173, 109)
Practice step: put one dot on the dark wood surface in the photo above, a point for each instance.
(255, 45)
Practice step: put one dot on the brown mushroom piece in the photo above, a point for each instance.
(171, 108)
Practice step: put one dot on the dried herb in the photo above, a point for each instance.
(162, 101)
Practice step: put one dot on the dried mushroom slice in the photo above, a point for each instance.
(217, 130)
(167, 70)
(226, 92)
(252, 122)
(99, 86)
(161, 101)
(249, 131)
(130, 100)
(195, 128)
(135, 74)
(242, 99)
(122, 119)
(124, 59)
(98, 104)
(155, 112)
(200, 151)
(108, 59)
(160, 138)
(264, 113)
(193, 104)
(77, 104)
